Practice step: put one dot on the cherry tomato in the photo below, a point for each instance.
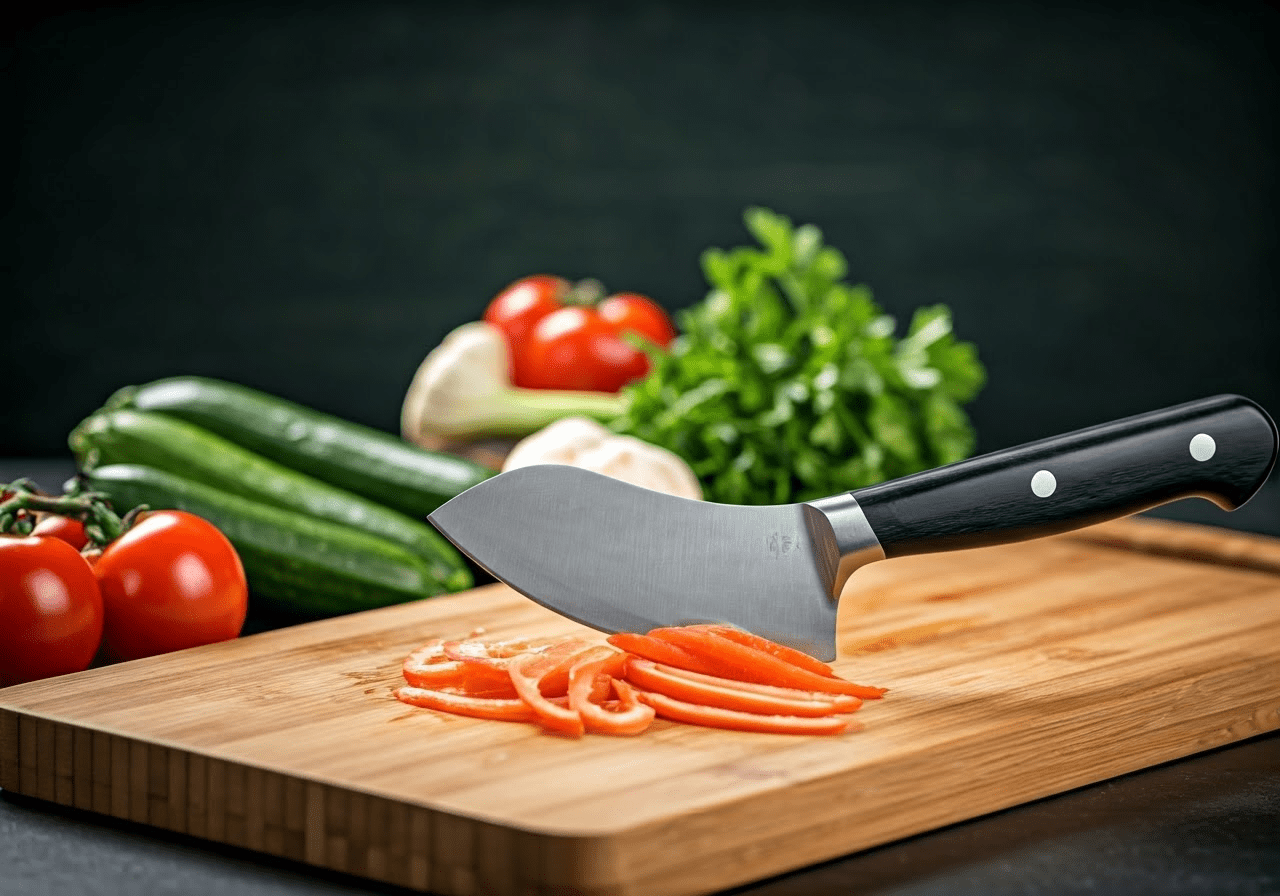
(638, 314)
(64, 528)
(575, 348)
(51, 614)
(561, 336)
(170, 582)
(518, 308)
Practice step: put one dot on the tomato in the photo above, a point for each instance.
(172, 581)
(51, 612)
(639, 314)
(574, 348)
(562, 336)
(64, 528)
(518, 308)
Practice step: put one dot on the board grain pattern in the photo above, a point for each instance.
(1015, 673)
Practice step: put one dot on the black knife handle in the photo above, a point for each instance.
(1219, 448)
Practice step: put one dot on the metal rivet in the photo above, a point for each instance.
(1202, 446)
(1043, 484)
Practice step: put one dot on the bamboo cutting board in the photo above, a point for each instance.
(1015, 673)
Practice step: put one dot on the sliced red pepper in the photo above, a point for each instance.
(742, 663)
(429, 667)
(717, 717)
(605, 665)
(660, 651)
(781, 651)
(505, 709)
(527, 673)
(496, 654)
(707, 690)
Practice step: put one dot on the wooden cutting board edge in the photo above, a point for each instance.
(675, 858)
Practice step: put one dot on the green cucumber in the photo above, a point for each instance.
(294, 563)
(178, 447)
(375, 464)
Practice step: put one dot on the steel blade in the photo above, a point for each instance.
(621, 558)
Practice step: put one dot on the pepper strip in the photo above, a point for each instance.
(740, 662)
(630, 716)
(725, 693)
(716, 717)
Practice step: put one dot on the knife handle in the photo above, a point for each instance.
(1220, 448)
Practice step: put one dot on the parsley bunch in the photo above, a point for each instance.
(788, 384)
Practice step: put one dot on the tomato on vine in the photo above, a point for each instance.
(158, 581)
(518, 308)
(171, 581)
(639, 314)
(63, 528)
(51, 614)
(565, 336)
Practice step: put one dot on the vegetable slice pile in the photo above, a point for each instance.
(710, 675)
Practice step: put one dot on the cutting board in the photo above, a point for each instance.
(1014, 673)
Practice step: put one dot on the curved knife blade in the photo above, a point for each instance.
(617, 557)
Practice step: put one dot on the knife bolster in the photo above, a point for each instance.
(843, 538)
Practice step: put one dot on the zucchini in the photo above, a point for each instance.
(294, 563)
(174, 446)
(374, 464)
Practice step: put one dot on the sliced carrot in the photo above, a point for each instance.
(660, 651)
(628, 717)
(725, 693)
(781, 651)
(717, 717)
(527, 673)
(464, 705)
(742, 663)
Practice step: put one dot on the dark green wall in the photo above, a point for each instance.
(307, 200)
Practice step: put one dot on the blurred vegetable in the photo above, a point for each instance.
(788, 384)
(463, 390)
(373, 464)
(564, 336)
(578, 442)
(124, 436)
(294, 563)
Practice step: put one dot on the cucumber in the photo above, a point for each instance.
(294, 563)
(174, 446)
(374, 464)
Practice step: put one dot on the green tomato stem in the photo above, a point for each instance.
(101, 524)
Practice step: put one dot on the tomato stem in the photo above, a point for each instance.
(101, 524)
(586, 293)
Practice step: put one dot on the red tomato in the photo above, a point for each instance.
(50, 610)
(638, 314)
(575, 348)
(561, 336)
(171, 581)
(63, 528)
(518, 308)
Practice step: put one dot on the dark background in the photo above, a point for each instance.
(307, 199)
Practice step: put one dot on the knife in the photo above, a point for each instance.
(617, 557)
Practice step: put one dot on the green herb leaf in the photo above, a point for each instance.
(788, 384)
